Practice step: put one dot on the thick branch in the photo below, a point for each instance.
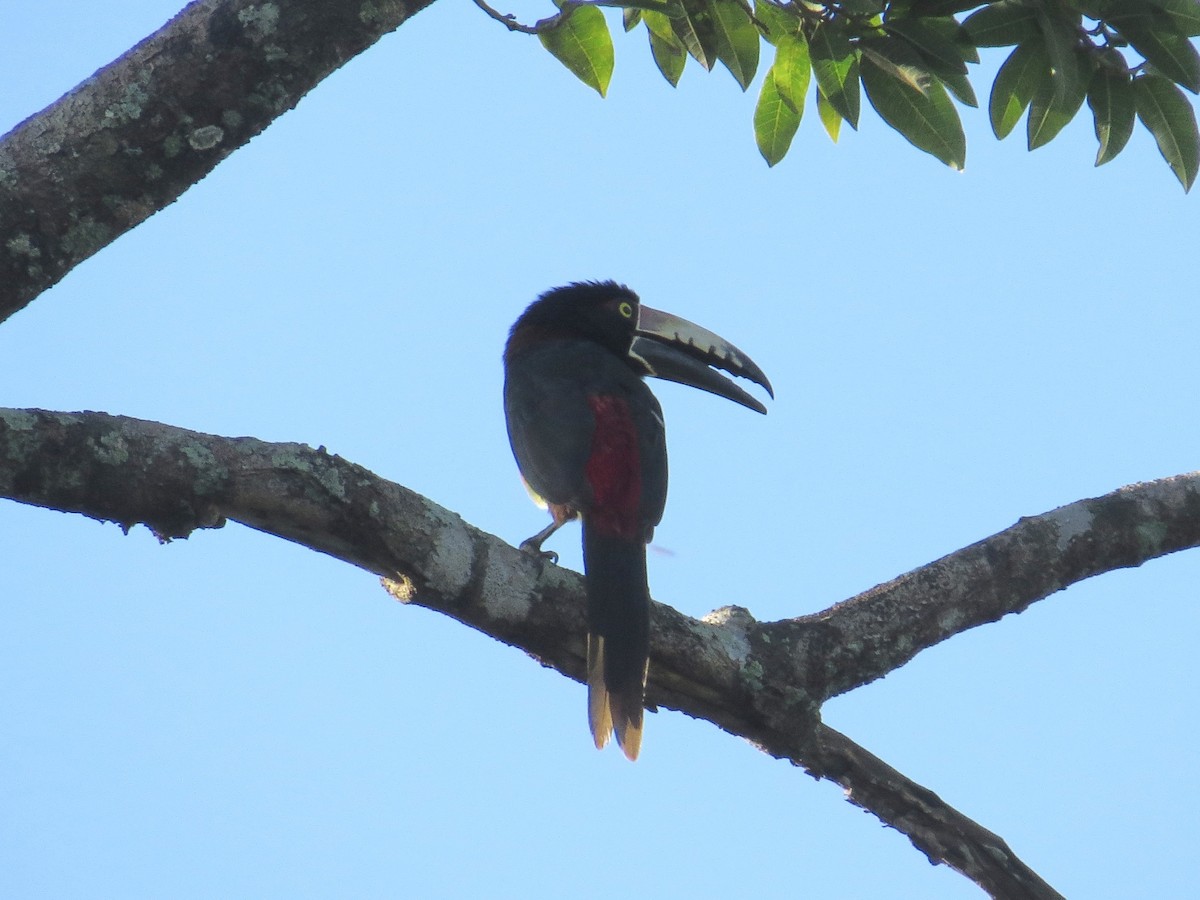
(142, 130)
(764, 682)
(131, 471)
(878, 631)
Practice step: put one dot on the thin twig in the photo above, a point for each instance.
(508, 20)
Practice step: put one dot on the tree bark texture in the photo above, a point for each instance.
(764, 681)
(129, 140)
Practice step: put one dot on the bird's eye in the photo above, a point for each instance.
(626, 309)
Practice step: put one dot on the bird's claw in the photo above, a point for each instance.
(534, 548)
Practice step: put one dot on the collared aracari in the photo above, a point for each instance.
(589, 440)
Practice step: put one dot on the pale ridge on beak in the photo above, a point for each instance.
(674, 349)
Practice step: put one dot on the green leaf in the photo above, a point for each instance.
(835, 63)
(1093, 9)
(951, 31)
(903, 66)
(939, 51)
(1110, 97)
(660, 26)
(926, 118)
(1185, 14)
(1055, 102)
(862, 7)
(737, 41)
(792, 71)
(1153, 34)
(630, 18)
(943, 7)
(1001, 24)
(1168, 115)
(829, 116)
(669, 56)
(660, 6)
(775, 122)
(694, 28)
(960, 87)
(1015, 85)
(778, 21)
(1062, 42)
(581, 42)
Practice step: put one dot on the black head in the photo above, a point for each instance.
(600, 311)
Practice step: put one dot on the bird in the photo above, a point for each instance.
(590, 443)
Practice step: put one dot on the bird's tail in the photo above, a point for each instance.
(618, 644)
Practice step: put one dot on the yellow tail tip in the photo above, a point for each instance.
(629, 740)
(609, 713)
(599, 715)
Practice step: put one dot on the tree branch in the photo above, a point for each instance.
(509, 21)
(761, 681)
(867, 636)
(936, 829)
(134, 136)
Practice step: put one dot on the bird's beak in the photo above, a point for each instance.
(675, 349)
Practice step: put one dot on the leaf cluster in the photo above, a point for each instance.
(1129, 59)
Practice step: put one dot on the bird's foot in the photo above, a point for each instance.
(533, 547)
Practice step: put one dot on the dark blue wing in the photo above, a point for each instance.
(551, 423)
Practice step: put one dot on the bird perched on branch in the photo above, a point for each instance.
(589, 440)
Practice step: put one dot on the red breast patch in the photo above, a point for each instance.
(614, 470)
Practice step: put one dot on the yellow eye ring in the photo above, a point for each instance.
(626, 309)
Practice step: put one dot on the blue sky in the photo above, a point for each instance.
(233, 715)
